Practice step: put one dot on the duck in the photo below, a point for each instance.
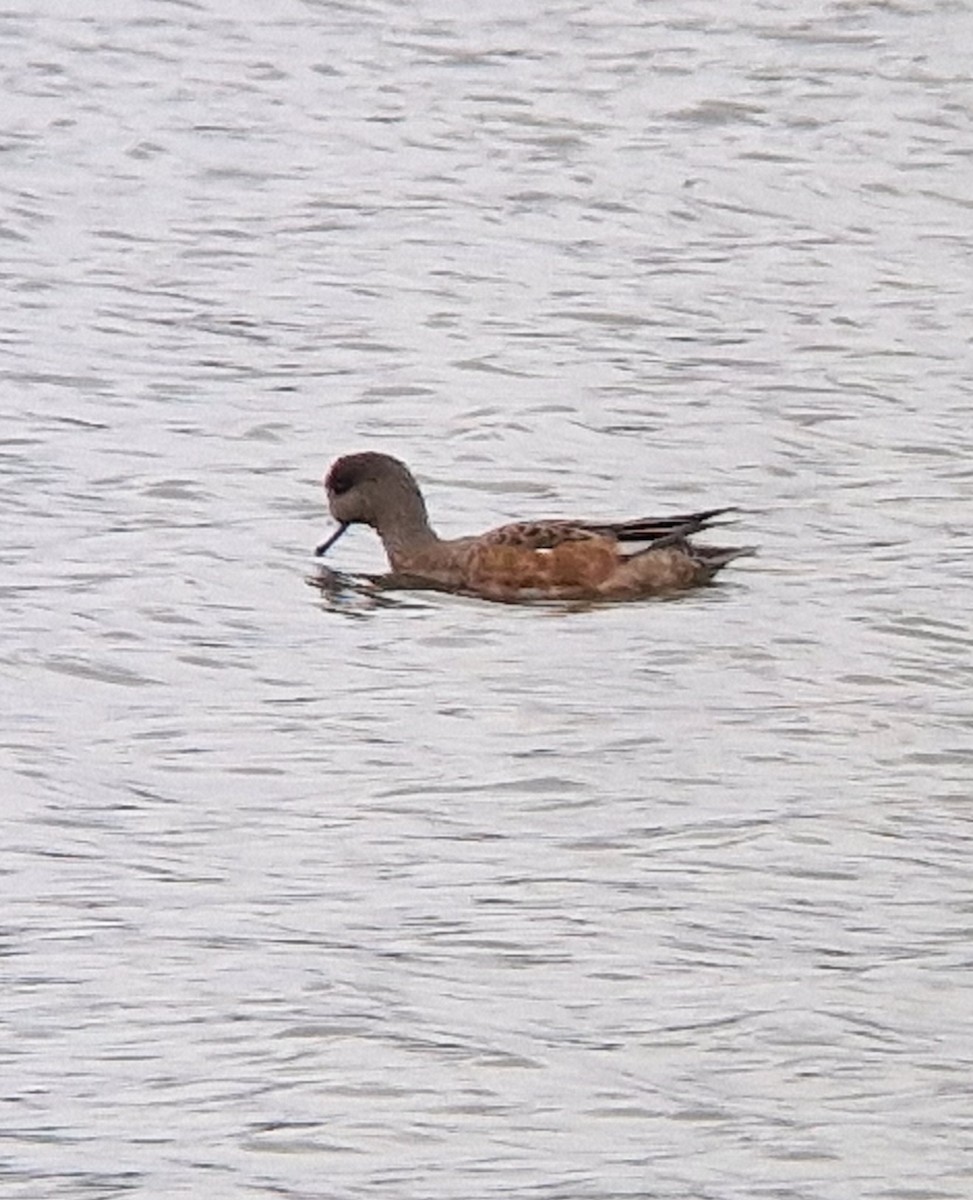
(551, 559)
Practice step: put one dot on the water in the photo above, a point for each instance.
(450, 899)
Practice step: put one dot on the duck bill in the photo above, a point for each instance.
(326, 546)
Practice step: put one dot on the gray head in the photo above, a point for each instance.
(372, 489)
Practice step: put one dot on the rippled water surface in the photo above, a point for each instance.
(440, 898)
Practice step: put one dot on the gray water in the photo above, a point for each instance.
(444, 899)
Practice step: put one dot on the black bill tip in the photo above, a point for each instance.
(326, 546)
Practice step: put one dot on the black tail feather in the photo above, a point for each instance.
(651, 529)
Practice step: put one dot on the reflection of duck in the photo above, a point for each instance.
(528, 560)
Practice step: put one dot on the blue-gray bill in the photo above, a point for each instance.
(326, 546)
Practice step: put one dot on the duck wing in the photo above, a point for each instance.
(549, 534)
(543, 535)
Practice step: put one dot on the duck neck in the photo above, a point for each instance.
(406, 532)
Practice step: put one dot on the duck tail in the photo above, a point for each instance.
(714, 558)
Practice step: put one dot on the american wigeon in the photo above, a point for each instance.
(527, 560)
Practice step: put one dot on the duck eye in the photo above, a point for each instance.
(340, 482)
